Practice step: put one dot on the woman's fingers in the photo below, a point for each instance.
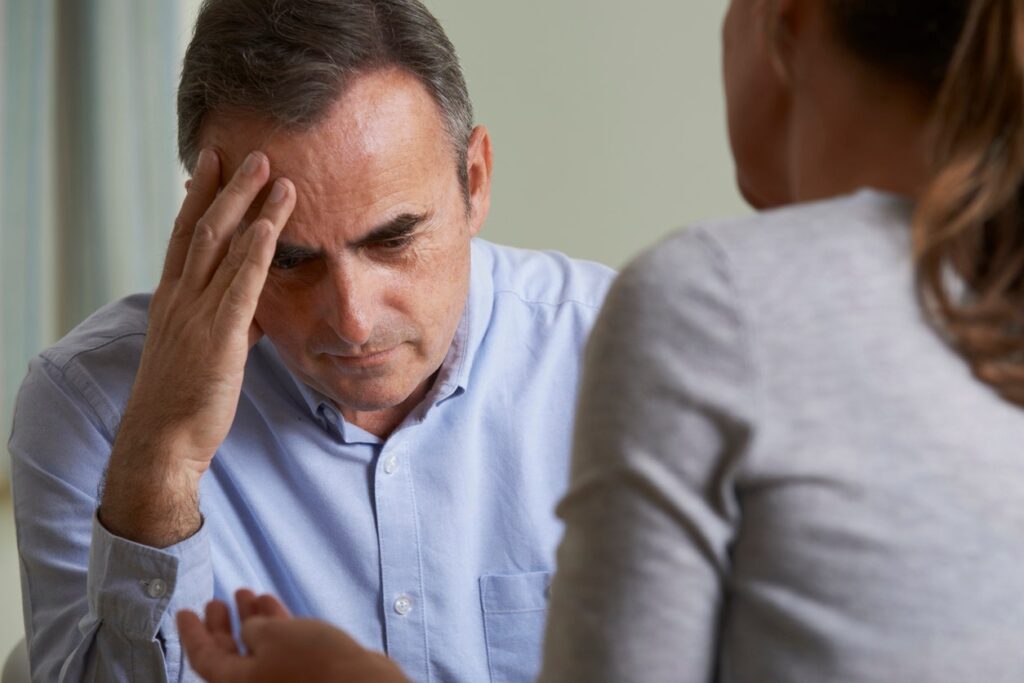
(250, 605)
(245, 599)
(214, 229)
(218, 618)
(198, 642)
(269, 606)
(208, 655)
(201, 190)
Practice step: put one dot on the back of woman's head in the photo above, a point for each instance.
(968, 57)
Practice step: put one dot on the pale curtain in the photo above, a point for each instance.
(89, 184)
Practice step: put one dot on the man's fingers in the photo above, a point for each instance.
(238, 304)
(214, 229)
(201, 190)
(276, 210)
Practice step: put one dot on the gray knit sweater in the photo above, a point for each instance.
(781, 474)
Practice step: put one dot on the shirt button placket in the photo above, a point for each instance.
(398, 536)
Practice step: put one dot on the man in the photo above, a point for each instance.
(335, 395)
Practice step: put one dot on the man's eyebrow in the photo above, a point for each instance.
(289, 251)
(401, 226)
(398, 227)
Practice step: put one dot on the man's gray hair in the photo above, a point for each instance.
(288, 61)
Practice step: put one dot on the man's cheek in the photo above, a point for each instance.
(272, 318)
(276, 299)
(263, 316)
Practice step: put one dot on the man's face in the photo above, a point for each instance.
(372, 269)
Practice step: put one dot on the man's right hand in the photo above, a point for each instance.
(201, 328)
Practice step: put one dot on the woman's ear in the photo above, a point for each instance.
(781, 21)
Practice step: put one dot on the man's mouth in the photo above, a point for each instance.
(363, 360)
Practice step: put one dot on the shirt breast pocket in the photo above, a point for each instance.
(515, 608)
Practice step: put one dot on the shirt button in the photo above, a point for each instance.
(403, 605)
(157, 588)
(390, 464)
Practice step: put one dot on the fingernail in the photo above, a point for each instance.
(278, 192)
(252, 163)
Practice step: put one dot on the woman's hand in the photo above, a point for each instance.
(279, 648)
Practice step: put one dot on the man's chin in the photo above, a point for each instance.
(378, 387)
(369, 396)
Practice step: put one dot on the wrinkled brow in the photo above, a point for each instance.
(397, 228)
(402, 226)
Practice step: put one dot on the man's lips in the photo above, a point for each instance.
(363, 360)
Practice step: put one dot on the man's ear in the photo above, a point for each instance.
(479, 168)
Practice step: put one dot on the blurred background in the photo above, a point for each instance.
(607, 120)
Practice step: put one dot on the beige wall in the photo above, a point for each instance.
(607, 118)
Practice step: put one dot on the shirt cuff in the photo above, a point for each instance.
(133, 587)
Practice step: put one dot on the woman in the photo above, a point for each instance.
(798, 453)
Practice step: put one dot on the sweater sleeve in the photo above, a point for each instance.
(665, 423)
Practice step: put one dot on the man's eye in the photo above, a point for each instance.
(286, 262)
(392, 245)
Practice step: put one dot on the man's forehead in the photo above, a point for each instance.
(381, 113)
(375, 156)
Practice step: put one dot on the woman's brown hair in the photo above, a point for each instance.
(968, 230)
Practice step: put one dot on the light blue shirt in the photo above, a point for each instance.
(435, 545)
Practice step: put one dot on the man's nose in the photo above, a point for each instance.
(352, 298)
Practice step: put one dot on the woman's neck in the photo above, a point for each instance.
(856, 132)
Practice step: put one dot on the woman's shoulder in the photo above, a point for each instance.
(817, 234)
(848, 237)
(800, 267)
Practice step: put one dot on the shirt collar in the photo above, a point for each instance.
(313, 399)
(453, 376)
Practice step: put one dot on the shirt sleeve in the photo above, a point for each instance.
(662, 433)
(97, 607)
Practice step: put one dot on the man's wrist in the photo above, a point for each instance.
(149, 496)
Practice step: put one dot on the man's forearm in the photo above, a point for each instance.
(149, 496)
(200, 329)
